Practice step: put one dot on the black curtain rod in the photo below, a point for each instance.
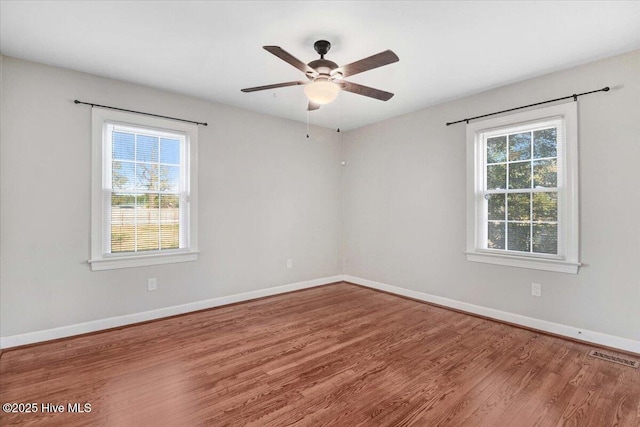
(574, 96)
(139, 112)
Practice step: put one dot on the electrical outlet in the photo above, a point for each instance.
(152, 284)
(289, 263)
(536, 289)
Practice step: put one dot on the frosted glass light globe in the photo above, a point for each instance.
(321, 91)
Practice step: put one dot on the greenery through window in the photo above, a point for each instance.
(521, 191)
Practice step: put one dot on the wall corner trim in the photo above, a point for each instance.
(130, 319)
(597, 338)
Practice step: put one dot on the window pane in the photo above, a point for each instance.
(146, 176)
(496, 177)
(497, 149)
(147, 218)
(520, 146)
(123, 201)
(545, 207)
(169, 221)
(496, 207)
(151, 202)
(495, 234)
(169, 179)
(545, 173)
(122, 174)
(545, 238)
(545, 143)
(122, 223)
(519, 238)
(518, 207)
(170, 151)
(170, 235)
(519, 175)
(147, 148)
(148, 237)
(123, 145)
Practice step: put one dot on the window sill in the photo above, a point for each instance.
(141, 260)
(558, 266)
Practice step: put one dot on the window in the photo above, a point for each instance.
(143, 190)
(523, 190)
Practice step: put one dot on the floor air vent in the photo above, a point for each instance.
(616, 359)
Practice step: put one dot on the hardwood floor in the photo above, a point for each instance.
(337, 355)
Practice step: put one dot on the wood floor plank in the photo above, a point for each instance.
(336, 355)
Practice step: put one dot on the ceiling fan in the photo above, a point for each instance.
(325, 77)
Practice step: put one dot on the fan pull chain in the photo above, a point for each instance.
(338, 110)
(307, 123)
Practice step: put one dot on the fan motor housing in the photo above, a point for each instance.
(323, 66)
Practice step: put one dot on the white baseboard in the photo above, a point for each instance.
(114, 322)
(597, 338)
(530, 322)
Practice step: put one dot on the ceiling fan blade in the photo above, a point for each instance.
(287, 57)
(274, 86)
(365, 90)
(378, 60)
(313, 106)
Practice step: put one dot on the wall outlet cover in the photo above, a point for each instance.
(536, 289)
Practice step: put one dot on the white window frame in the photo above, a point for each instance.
(103, 121)
(567, 260)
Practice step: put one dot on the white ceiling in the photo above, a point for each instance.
(213, 49)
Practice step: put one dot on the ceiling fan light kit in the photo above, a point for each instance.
(321, 92)
(326, 76)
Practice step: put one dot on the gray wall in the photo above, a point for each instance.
(266, 193)
(404, 204)
(395, 214)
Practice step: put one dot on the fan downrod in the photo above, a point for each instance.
(322, 47)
